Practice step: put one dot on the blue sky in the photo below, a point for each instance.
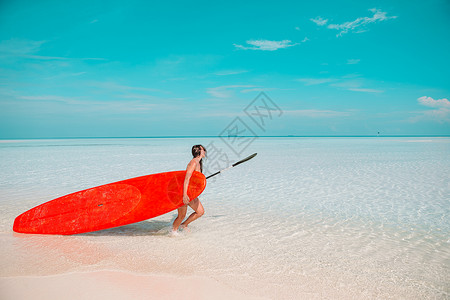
(142, 68)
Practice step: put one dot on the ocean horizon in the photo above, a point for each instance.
(216, 136)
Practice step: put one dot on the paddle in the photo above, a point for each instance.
(233, 165)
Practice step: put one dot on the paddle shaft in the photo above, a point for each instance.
(233, 165)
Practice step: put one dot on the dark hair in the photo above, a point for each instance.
(196, 150)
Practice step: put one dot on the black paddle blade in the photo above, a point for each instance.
(245, 159)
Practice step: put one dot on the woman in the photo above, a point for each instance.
(196, 164)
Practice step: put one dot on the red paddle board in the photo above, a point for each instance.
(111, 205)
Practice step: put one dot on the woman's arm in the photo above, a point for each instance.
(189, 170)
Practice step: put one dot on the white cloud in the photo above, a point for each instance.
(131, 104)
(365, 90)
(225, 91)
(305, 40)
(347, 83)
(266, 45)
(65, 75)
(118, 87)
(49, 98)
(136, 96)
(316, 113)
(258, 90)
(172, 65)
(440, 113)
(28, 49)
(93, 58)
(355, 85)
(24, 49)
(297, 28)
(428, 101)
(353, 61)
(315, 81)
(319, 21)
(358, 25)
(42, 57)
(230, 72)
(19, 46)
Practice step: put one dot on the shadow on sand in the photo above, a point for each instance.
(144, 228)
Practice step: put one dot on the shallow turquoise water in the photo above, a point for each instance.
(349, 217)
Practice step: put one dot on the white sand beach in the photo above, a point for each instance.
(115, 285)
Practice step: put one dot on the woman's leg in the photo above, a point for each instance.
(197, 206)
(181, 215)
